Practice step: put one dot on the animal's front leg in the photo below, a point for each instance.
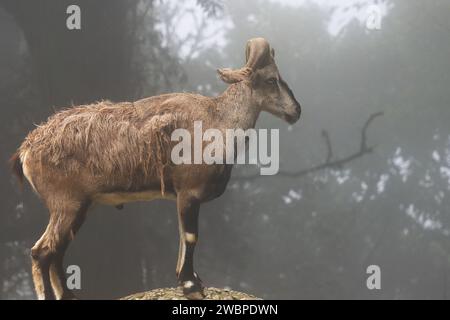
(188, 210)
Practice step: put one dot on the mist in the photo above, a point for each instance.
(364, 176)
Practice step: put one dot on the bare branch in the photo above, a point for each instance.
(363, 150)
(364, 130)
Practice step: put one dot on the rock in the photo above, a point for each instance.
(177, 294)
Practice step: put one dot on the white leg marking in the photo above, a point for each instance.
(190, 237)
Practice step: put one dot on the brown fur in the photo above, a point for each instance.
(116, 141)
(120, 152)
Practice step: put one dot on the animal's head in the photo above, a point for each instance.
(269, 91)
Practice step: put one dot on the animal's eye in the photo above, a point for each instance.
(271, 81)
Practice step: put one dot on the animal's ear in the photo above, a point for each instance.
(272, 53)
(232, 76)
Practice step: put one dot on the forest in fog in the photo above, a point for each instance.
(364, 175)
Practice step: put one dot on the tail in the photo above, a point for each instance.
(16, 167)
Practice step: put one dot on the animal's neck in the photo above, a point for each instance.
(237, 108)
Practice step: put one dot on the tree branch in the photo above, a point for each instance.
(328, 163)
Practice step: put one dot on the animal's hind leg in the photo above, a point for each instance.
(71, 223)
(40, 265)
(64, 214)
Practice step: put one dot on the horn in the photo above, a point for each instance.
(257, 54)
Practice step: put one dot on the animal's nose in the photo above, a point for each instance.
(298, 110)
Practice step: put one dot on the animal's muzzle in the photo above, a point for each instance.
(293, 118)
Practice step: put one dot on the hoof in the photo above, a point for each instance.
(193, 290)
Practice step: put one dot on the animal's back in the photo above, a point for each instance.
(121, 141)
(80, 127)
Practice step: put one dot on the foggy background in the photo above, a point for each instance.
(309, 232)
